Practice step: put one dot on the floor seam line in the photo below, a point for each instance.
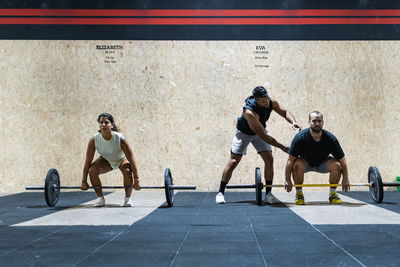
(187, 233)
(393, 234)
(34, 241)
(101, 246)
(254, 233)
(340, 247)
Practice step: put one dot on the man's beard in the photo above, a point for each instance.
(316, 130)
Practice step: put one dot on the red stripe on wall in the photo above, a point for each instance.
(198, 21)
(199, 12)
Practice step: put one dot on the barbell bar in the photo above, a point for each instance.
(258, 186)
(375, 185)
(52, 187)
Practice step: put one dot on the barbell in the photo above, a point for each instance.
(375, 185)
(52, 187)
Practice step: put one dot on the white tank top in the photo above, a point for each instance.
(111, 149)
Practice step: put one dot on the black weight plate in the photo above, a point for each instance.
(259, 186)
(376, 189)
(169, 191)
(51, 193)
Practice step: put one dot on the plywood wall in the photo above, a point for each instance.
(177, 101)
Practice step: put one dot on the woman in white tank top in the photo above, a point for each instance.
(115, 153)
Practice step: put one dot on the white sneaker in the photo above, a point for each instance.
(127, 202)
(100, 202)
(271, 199)
(220, 199)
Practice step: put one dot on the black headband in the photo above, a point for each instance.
(108, 116)
(260, 92)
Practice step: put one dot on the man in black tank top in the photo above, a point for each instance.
(251, 129)
(311, 150)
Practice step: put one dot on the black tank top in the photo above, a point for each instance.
(263, 113)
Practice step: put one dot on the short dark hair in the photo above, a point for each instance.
(316, 112)
(260, 92)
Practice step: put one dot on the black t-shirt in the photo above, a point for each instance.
(263, 113)
(303, 145)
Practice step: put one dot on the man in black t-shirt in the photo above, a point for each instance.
(315, 149)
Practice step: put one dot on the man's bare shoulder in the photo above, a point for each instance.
(249, 112)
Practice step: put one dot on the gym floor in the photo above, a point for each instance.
(198, 232)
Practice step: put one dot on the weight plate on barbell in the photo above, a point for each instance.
(376, 187)
(169, 191)
(51, 190)
(259, 186)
